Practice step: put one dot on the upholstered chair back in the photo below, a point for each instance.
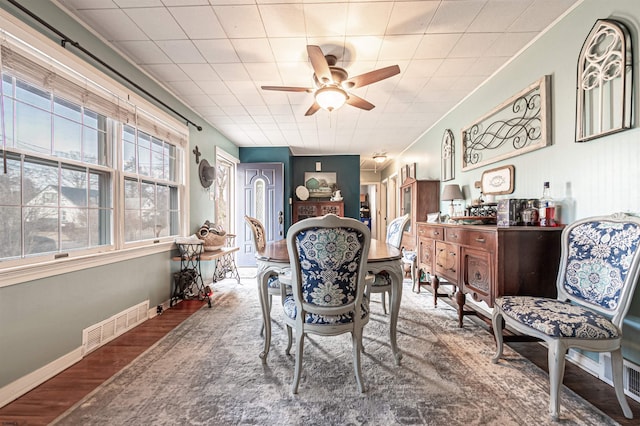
(395, 230)
(329, 265)
(599, 265)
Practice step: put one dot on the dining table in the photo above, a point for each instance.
(274, 259)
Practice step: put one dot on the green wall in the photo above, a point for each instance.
(347, 168)
(593, 178)
(42, 320)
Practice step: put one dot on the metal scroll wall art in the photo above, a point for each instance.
(448, 150)
(520, 124)
(605, 81)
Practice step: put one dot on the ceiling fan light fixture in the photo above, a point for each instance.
(379, 158)
(330, 97)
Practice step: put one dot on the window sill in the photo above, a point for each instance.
(24, 273)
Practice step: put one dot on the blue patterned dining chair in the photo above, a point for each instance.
(599, 268)
(328, 276)
(259, 244)
(382, 282)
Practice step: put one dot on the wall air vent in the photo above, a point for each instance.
(98, 334)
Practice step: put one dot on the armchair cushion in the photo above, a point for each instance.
(289, 306)
(556, 318)
(273, 282)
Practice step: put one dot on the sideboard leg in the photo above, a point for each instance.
(460, 300)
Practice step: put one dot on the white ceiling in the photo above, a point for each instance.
(214, 55)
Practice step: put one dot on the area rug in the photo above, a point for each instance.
(207, 372)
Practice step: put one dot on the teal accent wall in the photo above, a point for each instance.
(347, 168)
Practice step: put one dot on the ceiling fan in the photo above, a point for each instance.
(332, 82)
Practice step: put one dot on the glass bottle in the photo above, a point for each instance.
(546, 208)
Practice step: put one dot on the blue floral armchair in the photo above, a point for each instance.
(599, 269)
(328, 276)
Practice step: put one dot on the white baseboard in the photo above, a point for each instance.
(26, 383)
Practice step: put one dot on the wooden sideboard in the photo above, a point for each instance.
(488, 262)
(306, 209)
(417, 198)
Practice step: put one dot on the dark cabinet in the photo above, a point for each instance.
(306, 209)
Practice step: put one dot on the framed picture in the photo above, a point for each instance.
(519, 125)
(412, 170)
(498, 181)
(403, 174)
(320, 184)
(433, 217)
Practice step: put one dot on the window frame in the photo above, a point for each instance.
(28, 42)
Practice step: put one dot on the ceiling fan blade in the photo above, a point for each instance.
(288, 88)
(312, 109)
(358, 102)
(319, 64)
(371, 77)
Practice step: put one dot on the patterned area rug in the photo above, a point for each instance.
(207, 372)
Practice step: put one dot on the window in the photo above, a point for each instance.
(64, 189)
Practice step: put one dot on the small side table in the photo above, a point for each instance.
(188, 281)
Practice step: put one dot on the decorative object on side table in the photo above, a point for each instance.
(214, 236)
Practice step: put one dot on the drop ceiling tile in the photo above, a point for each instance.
(113, 24)
(455, 16)
(200, 72)
(487, 65)
(185, 87)
(325, 19)
(498, 15)
(399, 47)
(166, 72)
(473, 45)
(196, 101)
(253, 49)
(411, 17)
(217, 51)
(362, 48)
(231, 72)
(283, 20)
(88, 4)
(367, 18)
(225, 101)
(541, 14)
(240, 21)
(157, 23)
(143, 52)
(214, 87)
(421, 68)
(259, 111)
(455, 67)
(264, 72)
(289, 49)
(436, 45)
(185, 2)
(198, 22)
(137, 3)
(181, 51)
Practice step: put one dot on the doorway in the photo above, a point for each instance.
(260, 195)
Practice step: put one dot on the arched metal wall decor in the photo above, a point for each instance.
(605, 81)
(519, 125)
(448, 157)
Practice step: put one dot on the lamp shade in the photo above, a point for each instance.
(452, 192)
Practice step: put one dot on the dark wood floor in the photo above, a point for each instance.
(46, 402)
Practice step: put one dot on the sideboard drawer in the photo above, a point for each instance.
(454, 235)
(428, 231)
(481, 240)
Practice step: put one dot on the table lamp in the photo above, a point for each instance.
(450, 193)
